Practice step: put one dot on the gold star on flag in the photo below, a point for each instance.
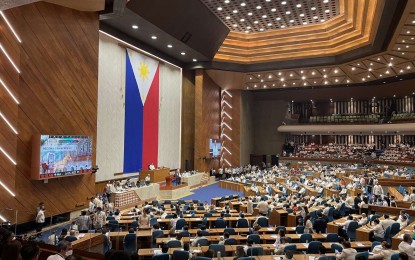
(143, 69)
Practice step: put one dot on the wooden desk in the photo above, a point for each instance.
(158, 175)
(92, 242)
(281, 217)
(397, 239)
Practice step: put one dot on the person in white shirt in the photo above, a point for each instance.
(263, 207)
(412, 196)
(64, 250)
(387, 222)
(377, 190)
(378, 230)
(40, 219)
(100, 218)
(147, 179)
(406, 247)
(406, 197)
(363, 220)
(91, 205)
(348, 252)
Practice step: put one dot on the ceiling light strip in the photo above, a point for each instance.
(3, 219)
(138, 49)
(223, 123)
(10, 27)
(7, 155)
(225, 113)
(8, 123)
(226, 102)
(226, 92)
(10, 59)
(227, 162)
(226, 149)
(225, 135)
(8, 190)
(8, 91)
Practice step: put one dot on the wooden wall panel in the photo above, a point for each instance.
(57, 90)
(207, 120)
(188, 120)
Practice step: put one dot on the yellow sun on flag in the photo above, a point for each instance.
(144, 71)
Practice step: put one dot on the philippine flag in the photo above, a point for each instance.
(141, 112)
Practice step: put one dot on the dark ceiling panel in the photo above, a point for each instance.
(189, 21)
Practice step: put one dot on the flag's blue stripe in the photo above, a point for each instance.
(133, 135)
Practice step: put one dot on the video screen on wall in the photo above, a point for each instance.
(61, 155)
(214, 148)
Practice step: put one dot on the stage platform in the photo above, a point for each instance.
(174, 192)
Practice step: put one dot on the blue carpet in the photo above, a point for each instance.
(211, 191)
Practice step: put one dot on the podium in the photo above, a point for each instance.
(169, 180)
(158, 175)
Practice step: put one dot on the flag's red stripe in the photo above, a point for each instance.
(151, 124)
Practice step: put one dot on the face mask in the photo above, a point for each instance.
(68, 253)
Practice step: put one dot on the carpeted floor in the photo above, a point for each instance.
(211, 191)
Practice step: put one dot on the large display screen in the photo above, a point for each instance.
(61, 155)
(214, 148)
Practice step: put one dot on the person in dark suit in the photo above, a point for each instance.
(320, 224)
(357, 201)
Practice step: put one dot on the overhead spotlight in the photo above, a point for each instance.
(183, 53)
(194, 60)
(154, 37)
(250, 14)
(243, 4)
(135, 26)
(390, 64)
(298, 5)
(219, 8)
(258, 7)
(303, 77)
(169, 46)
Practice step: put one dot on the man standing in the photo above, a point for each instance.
(100, 218)
(40, 218)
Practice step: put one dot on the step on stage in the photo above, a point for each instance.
(171, 192)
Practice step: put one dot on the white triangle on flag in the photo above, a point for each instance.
(144, 69)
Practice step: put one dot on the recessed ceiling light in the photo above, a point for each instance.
(282, 79)
(183, 53)
(235, 25)
(246, 31)
(242, 20)
(262, 80)
(283, 2)
(301, 71)
(368, 76)
(298, 5)
(336, 80)
(322, 20)
(288, 12)
(380, 75)
(326, 82)
(336, 71)
(261, 29)
(235, 11)
(390, 64)
(313, 73)
(219, 8)
(279, 73)
(249, 14)
(408, 68)
(399, 49)
(371, 64)
(269, 24)
(305, 23)
(348, 81)
(313, 8)
(327, 11)
(325, 1)
(401, 71)
(284, 85)
(273, 10)
(301, 15)
(370, 69)
(408, 32)
(255, 22)
(291, 75)
(264, 16)
(249, 27)
(154, 37)
(194, 60)
(387, 72)
(227, 1)
(413, 21)
(325, 76)
(169, 46)
(278, 18)
(303, 78)
(294, 83)
(315, 17)
(291, 21)
(270, 76)
(135, 26)
(391, 58)
(363, 79)
(258, 7)
(282, 26)
(243, 4)
(324, 70)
